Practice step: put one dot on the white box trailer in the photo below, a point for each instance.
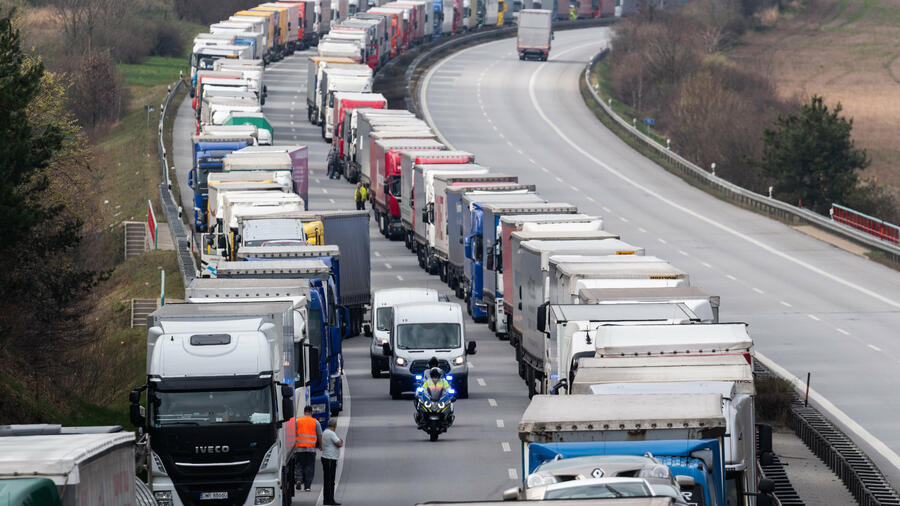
(351, 139)
(86, 468)
(535, 31)
(335, 79)
(700, 302)
(223, 182)
(423, 201)
(371, 120)
(407, 161)
(616, 341)
(315, 65)
(567, 278)
(386, 129)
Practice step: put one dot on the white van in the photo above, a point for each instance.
(383, 302)
(420, 331)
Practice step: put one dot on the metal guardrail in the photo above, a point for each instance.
(855, 469)
(180, 235)
(734, 193)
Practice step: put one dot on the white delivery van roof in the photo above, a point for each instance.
(395, 296)
(698, 338)
(431, 312)
(57, 457)
(574, 413)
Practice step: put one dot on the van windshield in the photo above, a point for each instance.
(383, 318)
(415, 336)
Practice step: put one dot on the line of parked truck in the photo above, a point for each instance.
(622, 357)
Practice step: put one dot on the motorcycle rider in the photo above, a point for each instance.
(436, 380)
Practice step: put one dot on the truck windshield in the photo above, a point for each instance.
(600, 490)
(383, 318)
(415, 336)
(394, 183)
(250, 406)
(315, 329)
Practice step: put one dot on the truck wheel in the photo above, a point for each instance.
(442, 271)
(491, 321)
(335, 411)
(420, 257)
(520, 361)
(376, 369)
(396, 394)
(463, 390)
(460, 294)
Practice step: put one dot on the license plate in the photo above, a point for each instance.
(206, 496)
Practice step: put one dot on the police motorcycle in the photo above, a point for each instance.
(434, 406)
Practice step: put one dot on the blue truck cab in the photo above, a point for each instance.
(326, 359)
(686, 432)
(473, 222)
(209, 155)
(701, 460)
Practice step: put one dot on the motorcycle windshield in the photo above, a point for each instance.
(435, 393)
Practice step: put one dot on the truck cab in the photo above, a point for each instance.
(420, 331)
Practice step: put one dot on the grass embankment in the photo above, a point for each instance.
(604, 89)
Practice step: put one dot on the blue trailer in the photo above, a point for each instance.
(208, 156)
(473, 222)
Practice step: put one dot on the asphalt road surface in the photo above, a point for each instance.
(811, 307)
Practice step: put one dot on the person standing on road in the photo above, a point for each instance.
(360, 197)
(330, 163)
(331, 452)
(309, 437)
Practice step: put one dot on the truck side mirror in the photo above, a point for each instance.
(314, 372)
(287, 402)
(431, 212)
(468, 247)
(542, 318)
(137, 417)
(489, 261)
(470, 348)
(386, 349)
(386, 187)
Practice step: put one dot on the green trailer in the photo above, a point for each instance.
(256, 119)
(28, 492)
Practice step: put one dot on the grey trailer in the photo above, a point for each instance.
(702, 303)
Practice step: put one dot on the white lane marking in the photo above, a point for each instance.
(785, 304)
(559, 179)
(505, 446)
(623, 219)
(388, 265)
(509, 142)
(501, 135)
(757, 290)
(642, 230)
(729, 276)
(491, 402)
(661, 240)
(756, 242)
(608, 210)
(574, 188)
(706, 265)
(378, 254)
(399, 277)
(519, 151)
(591, 199)
(481, 382)
(324, 190)
(842, 331)
(683, 253)
(531, 160)
(833, 411)
(331, 200)
(544, 169)
(876, 348)
(500, 424)
(317, 180)
(813, 317)
(494, 127)
(513, 475)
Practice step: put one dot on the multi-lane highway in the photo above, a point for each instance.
(811, 307)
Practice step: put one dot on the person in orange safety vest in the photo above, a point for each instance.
(309, 437)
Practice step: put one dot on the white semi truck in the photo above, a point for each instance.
(220, 409)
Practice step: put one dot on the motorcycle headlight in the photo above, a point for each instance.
(428, 404)
(460, 360)
(441, 405)
(540, 480)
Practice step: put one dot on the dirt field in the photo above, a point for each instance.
(846, 51)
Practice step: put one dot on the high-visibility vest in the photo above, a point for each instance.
(361, 194)
(306, 432)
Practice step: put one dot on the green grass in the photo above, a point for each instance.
(155, 71)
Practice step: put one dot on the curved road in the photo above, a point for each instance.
(811, 307)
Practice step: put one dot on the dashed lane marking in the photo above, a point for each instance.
(505, 446)
(491, 402)
(785, 304)
(500, 423)
(481, 382)
(876, 348)
(842, 331)
(813, 317)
